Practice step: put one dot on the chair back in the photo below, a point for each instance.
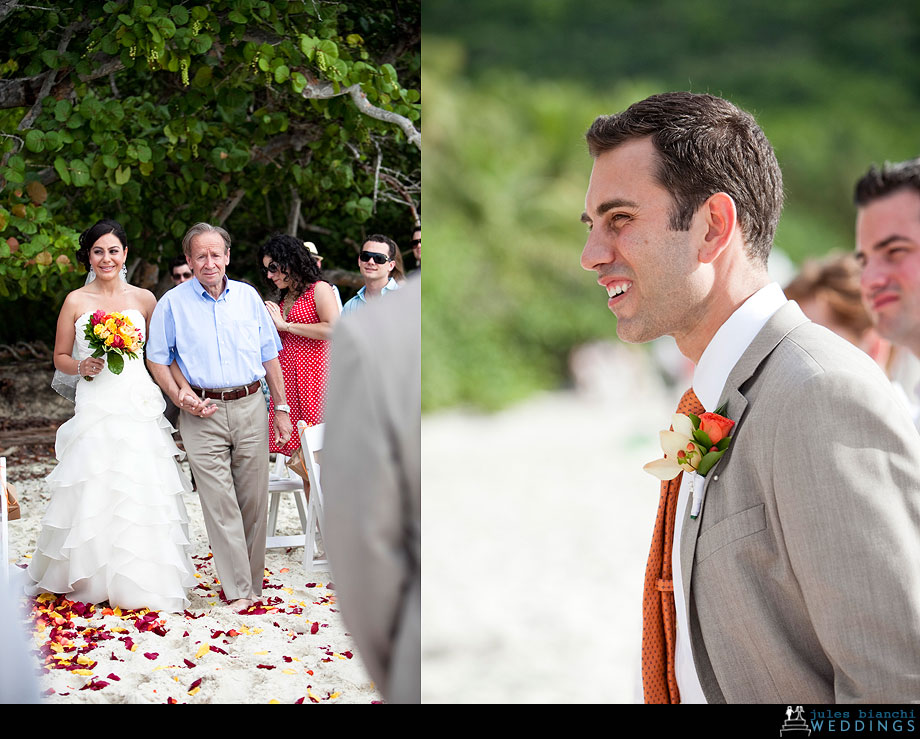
(311, 441)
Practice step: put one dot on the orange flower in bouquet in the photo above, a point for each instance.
(113, 334)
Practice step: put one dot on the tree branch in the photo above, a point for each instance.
(343, 277)
(322, 91)
(222, 213)
(294, 213)
(7, 7)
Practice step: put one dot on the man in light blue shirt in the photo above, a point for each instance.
(210, 342)
(377, 262)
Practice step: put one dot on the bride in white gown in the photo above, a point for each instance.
(116, 528)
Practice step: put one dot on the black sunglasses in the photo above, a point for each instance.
(366, 256)
(415, 242)
(272, 268)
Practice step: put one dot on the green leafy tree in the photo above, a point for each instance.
(258, 115)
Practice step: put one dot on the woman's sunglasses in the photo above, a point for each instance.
(366, 256)
(272, 268)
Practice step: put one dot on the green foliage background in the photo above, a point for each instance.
(511, 88)
(163, 113)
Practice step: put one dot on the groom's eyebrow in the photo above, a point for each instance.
(890, 240)
(609, 205)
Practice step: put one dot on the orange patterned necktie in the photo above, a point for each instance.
(659, 626)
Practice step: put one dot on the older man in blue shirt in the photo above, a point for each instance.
(210, 342)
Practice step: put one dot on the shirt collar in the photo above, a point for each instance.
(200, 289)
(731, 341)
(392, 284)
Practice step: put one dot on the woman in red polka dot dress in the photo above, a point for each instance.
(304, 315)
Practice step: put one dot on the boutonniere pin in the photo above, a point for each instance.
(693, 444)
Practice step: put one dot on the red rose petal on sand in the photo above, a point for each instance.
(189, 663)
(348, 654)
(266, 667)
(315, 627)
(113, 676)
(299, 700)
(287, 659)
(195, 684)
(151, 655)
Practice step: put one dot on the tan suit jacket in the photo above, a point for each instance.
(802, 574)
(371, 479)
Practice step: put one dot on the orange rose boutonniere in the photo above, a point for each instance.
(692, 444)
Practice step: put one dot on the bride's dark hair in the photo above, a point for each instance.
(91, 235)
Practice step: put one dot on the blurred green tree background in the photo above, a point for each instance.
(511, 88)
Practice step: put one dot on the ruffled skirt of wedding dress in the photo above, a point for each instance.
(116, 528)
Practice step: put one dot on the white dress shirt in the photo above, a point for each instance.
(720, 357)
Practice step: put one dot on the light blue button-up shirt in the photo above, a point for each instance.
(360, 300)
(217, 343)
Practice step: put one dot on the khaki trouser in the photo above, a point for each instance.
(228, 454)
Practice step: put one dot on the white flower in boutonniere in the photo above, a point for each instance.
(693, 444)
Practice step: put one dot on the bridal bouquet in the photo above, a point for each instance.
(113, 334)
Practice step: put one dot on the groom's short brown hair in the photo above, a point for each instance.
(705, 145)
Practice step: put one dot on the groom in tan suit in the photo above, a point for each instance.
(798, 582)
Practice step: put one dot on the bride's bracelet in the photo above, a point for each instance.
(79, 365)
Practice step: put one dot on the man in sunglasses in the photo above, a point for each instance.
(180, 270)
(416, 245)
(377, 262)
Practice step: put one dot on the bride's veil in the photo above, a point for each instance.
(66, 385)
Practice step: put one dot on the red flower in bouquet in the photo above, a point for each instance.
(114, 335)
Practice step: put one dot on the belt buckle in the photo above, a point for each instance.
(222, 393)
(203, 393)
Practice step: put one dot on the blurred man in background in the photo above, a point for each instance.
(180, 270)
(888, 248)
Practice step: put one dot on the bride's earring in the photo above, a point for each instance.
(124, 273)
(92, 273)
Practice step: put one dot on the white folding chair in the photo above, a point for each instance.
(312, 521)
(282, 480)
(4, 524)
(311, 441)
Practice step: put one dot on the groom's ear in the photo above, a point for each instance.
(720, 219)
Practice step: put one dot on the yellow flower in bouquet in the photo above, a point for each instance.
(113, 334)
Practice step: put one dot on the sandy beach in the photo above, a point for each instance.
(292, 647)
(536, 527)
(536, 523)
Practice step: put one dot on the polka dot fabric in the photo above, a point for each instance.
(659, 626)
(303, 363)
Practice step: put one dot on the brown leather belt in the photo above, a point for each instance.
(236, 394)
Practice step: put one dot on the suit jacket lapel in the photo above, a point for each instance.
(774, 331)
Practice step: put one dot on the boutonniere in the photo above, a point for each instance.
(693, 444)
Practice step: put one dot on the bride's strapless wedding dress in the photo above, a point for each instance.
(116, 528)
